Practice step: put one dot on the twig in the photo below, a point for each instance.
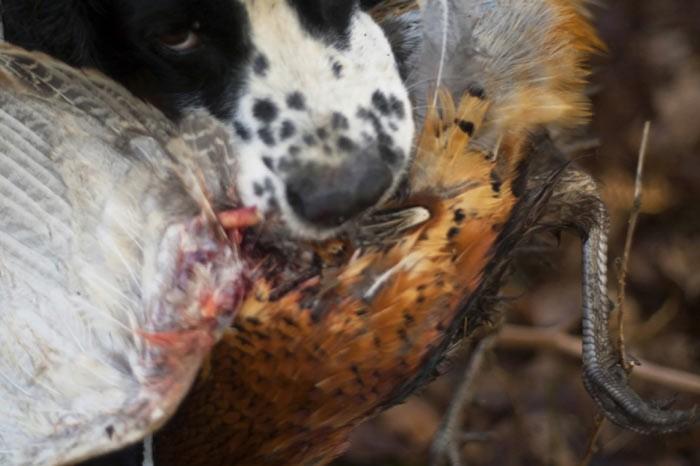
(522, 337)
(592, 447)
(631, 227)
(446, 442)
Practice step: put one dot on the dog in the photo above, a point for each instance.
(311, 90)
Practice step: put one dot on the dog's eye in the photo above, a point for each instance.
(181, 41)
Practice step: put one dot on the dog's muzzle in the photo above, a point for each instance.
(327, 195)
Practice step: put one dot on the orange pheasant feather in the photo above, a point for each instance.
(301, 368)
(293, 376)
(298, 372)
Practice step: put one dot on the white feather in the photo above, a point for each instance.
(445, 26)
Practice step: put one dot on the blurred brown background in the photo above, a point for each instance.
(531, 400)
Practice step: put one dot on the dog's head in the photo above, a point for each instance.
(311, 89)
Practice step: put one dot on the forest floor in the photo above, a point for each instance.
(530, 399)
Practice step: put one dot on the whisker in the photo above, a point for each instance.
(443, 49)
(437, 79)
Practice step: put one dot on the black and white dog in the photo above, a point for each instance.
(311, 89)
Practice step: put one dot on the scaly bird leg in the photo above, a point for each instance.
(604, 375)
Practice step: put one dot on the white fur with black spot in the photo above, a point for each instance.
(295, 61)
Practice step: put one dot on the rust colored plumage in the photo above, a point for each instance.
(300, 369)
(286, 385)
(295, 375)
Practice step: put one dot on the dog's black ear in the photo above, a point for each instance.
(62, 28)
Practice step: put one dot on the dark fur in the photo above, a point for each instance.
(120, 38)
(232, 57)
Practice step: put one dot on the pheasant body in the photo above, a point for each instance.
(295, 374)
(107, 250)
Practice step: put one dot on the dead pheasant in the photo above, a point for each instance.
(302, 367)
(116, 277)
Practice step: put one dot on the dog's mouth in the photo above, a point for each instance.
(322, 201)
(289, 264)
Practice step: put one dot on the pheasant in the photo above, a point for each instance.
(310, 339)
(116, 275)
(307, 361)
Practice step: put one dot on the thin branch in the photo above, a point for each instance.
(522, 337)
(593, 440)
(631, 227)
(446, 443)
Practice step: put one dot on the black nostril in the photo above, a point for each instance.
(328, 196)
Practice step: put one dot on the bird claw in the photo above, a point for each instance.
(664, 403)
(628, 410)
(604, 372)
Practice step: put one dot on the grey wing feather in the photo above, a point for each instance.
(84, 91)
(88, 187)
(52, 348)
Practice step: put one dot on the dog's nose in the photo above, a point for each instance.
(328, 196)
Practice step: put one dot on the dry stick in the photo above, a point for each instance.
(445, 443)
(631, 227)
(592, 448)
(523, 337)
